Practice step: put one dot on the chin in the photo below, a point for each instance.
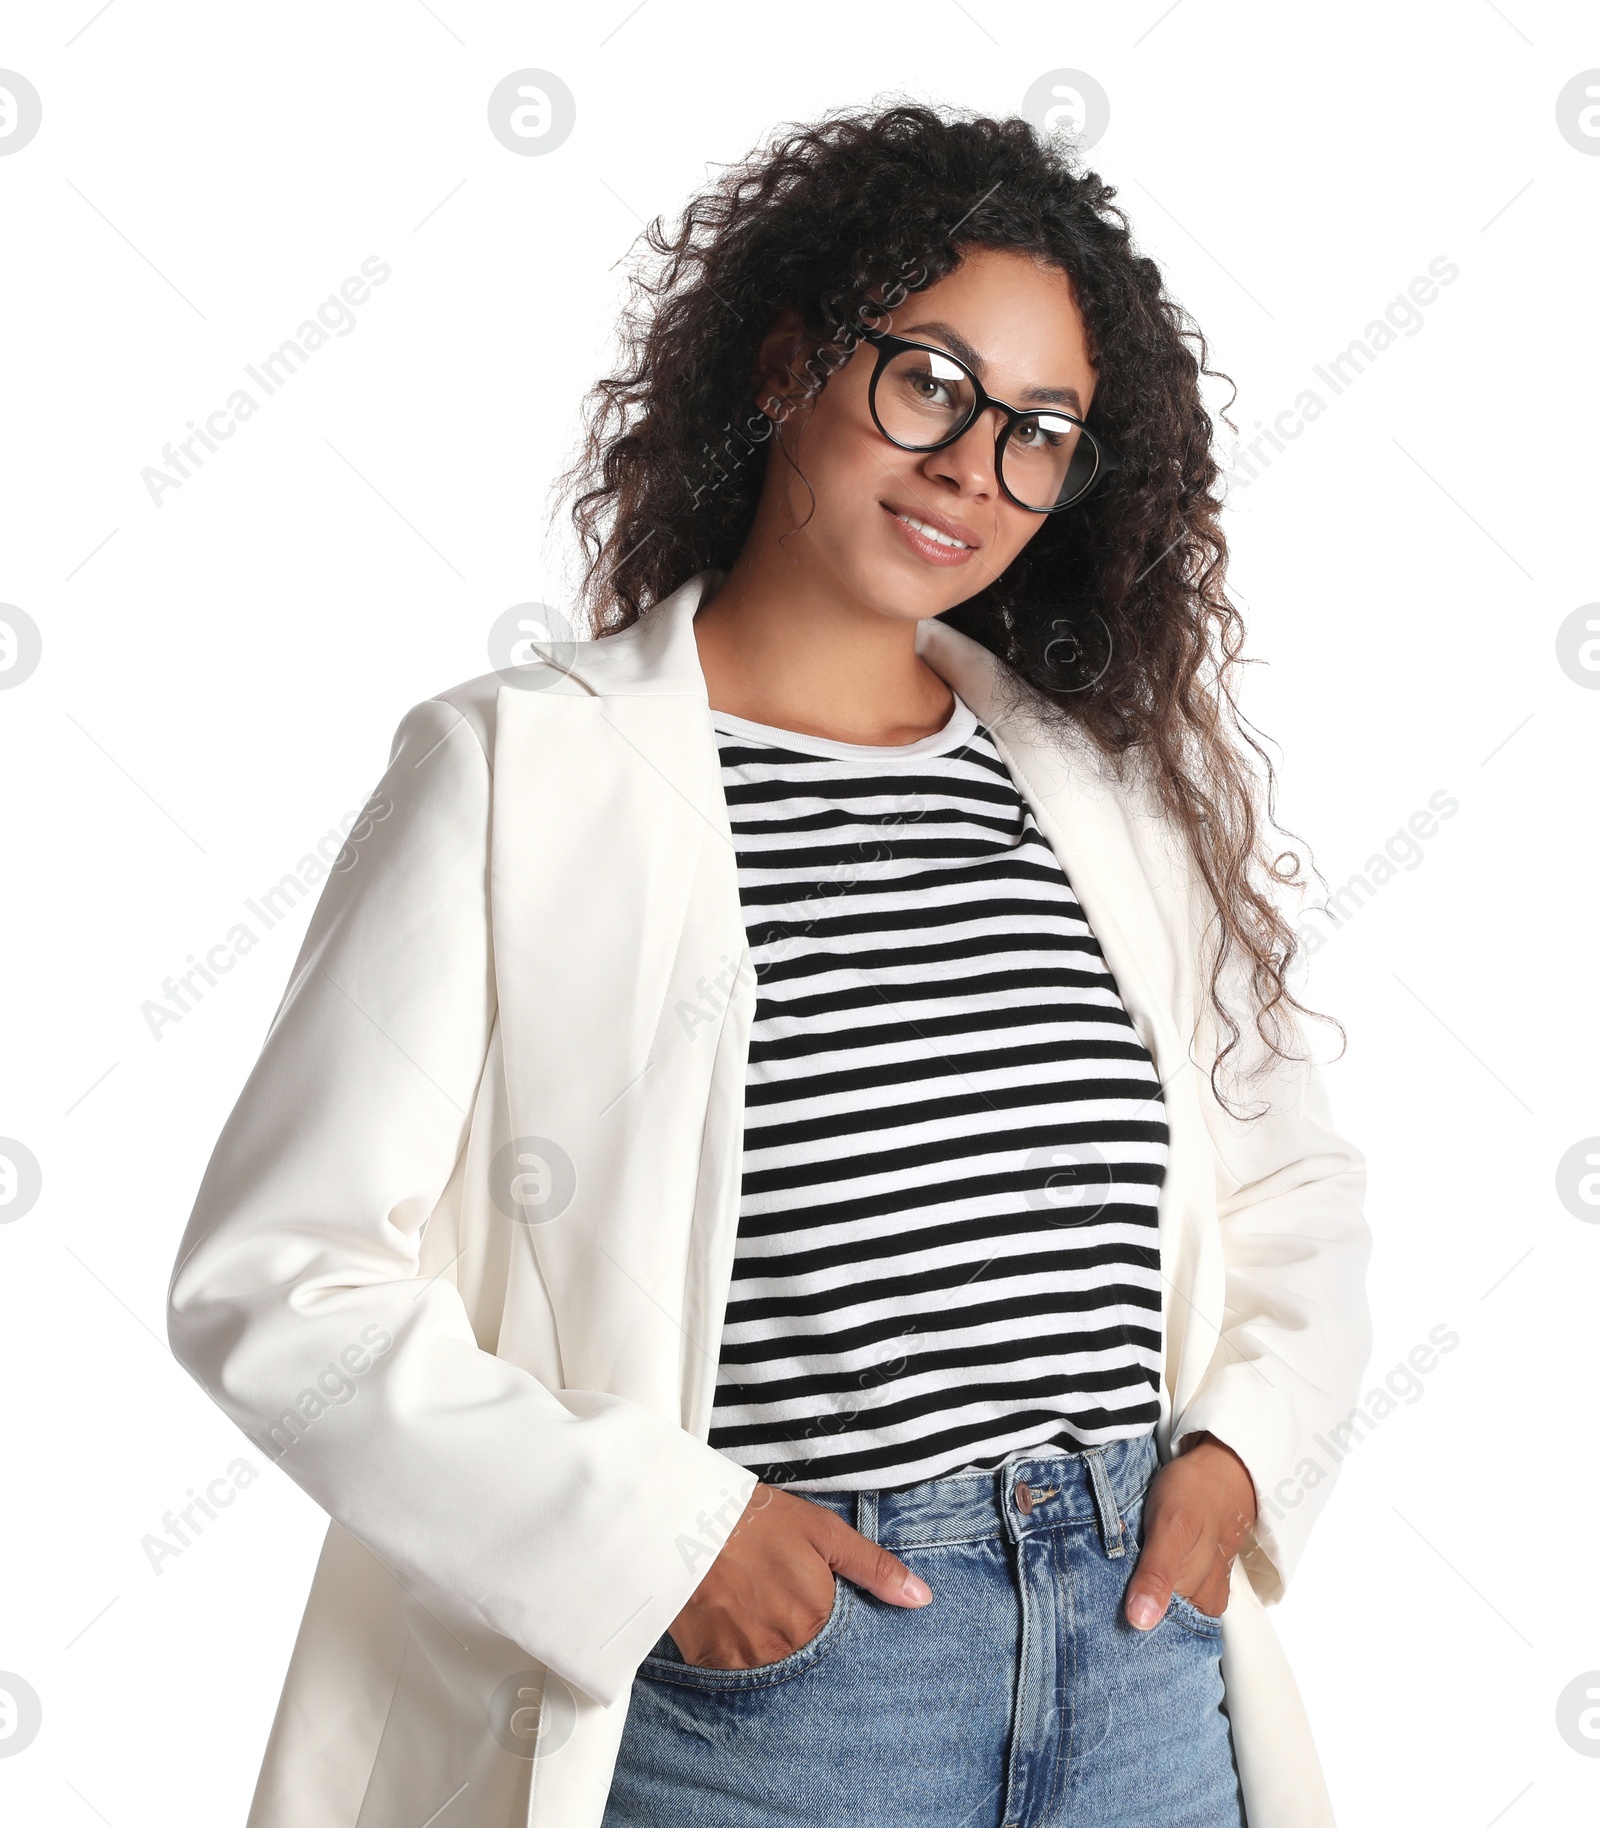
(908, 591)
(908, 605)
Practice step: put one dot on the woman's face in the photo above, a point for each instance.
(880, 511)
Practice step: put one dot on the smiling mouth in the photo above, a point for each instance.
(930, 532)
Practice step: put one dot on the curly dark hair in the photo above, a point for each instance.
(1115, 613)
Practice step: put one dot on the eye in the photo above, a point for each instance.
(1044, 434)
(937, 379)
(931, 390)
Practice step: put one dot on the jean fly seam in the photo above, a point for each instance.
(1066, 1719)
(1016, 1760)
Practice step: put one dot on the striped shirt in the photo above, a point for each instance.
(954, 1139)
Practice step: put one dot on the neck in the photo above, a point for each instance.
(784, 645)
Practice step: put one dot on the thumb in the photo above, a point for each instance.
(868, 1564)
(1150, 1591)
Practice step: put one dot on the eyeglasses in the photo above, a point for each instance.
(923, 398)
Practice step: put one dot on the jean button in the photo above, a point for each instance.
(1023, 1496)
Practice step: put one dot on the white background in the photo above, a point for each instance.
(222, 675)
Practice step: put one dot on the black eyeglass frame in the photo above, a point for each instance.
(888, 347)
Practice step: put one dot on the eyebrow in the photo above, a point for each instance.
(959, 346)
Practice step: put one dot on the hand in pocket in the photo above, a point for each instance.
(771, 1590)
(1198, 1509)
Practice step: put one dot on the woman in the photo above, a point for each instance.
(785, 1212)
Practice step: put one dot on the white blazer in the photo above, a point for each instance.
(536, 934)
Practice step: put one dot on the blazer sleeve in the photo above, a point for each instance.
(1298, 1333)
(297, 1303)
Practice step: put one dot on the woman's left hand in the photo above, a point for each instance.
(1199, 1508)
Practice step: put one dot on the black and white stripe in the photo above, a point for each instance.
(954, 1139)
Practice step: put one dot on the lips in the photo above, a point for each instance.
(937, 527)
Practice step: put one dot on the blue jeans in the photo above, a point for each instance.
(1019, 1697)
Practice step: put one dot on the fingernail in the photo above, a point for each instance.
(917, 1592)
(1144, 1612)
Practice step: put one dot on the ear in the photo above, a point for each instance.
(780, 380)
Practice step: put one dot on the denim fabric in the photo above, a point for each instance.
(1019, 1697)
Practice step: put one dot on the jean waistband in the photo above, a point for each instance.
(1023, 1496)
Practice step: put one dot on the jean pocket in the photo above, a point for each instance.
(672, 1668)
(1186, 1613)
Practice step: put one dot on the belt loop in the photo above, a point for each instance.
(1105, 1503)
(867, 1515)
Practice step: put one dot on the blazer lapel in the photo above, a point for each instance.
(609, 826)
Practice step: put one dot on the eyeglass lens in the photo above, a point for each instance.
(924, 397)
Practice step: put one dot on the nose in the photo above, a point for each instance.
(968, 464)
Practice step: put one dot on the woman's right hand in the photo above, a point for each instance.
(770, 1591)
